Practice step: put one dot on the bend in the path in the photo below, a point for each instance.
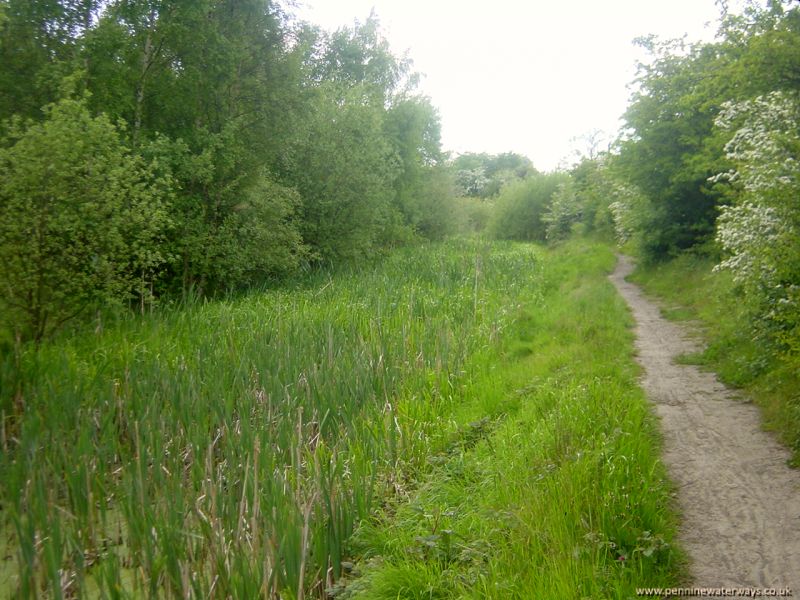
(739, 500)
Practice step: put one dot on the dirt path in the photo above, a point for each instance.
(740, 501)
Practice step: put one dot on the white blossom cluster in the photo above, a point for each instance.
(760, 231)
(626, 210)
(764, 146)
(744, 231)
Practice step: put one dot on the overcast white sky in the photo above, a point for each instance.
(522, 76)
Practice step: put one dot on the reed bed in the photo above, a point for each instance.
(564, 497)
(230, 448)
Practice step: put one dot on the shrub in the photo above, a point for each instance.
(81, 219)
(760, 230)
(522, 204)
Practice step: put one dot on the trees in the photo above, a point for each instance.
(564, 210)
(215, 79)
(585, 199)
(260, 238)
(343, 168)
(262, 143)
(39, 45)
(423, 188)
(521, 206)
(360, 57)
(670, 152)
(82, 222)
(672, 147)
(366, 153)
(484, 175)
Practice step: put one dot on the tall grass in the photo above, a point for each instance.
(565, 497)
(230, 448)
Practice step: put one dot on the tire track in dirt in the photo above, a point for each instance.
(739, 500)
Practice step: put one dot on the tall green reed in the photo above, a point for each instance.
(230, 448)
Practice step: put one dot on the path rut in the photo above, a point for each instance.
(739, 500)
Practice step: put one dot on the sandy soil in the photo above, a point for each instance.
(739, 500)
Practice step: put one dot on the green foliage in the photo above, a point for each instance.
(764, 46)
(360, 57)
(283, 144)
(260, 238)
(471, 215)
(423, 186)
(671, 119)
(671, 147)
(520, 207)
(344, 169)
(591, 200)
(210, 81)
(82, 219)
(436, 204)
(596, 187)
(38, 47)
(564, 211)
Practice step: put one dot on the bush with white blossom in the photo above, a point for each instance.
(760, 230)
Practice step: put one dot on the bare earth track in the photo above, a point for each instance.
(739, 500)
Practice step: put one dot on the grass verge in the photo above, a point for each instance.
(563, 497)
(691, 291)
